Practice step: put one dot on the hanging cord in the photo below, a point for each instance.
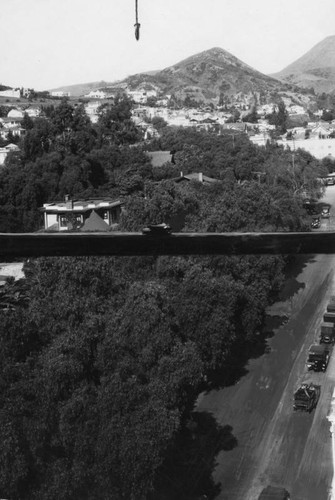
(137, 24)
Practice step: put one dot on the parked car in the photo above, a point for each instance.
(327, 334)
(157, 229)
(316, 222)
(306, 397)
(274, 493)
(325, 213)
(318, 357)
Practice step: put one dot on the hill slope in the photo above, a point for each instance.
(206, 75)
(314, 69)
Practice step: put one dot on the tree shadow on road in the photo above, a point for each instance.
(186, 473)
(295, 266)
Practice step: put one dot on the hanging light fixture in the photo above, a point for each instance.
(137, 24)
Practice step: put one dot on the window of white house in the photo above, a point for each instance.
(62, 221)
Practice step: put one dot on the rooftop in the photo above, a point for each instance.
(80, 205)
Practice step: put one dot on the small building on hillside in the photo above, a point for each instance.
(7, 149)
(196, 176)
(60, 93)
(14, 93)
(15, 113)
(101, 214)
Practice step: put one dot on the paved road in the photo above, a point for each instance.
(276, 445)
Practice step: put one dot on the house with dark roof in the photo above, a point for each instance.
(96, 214)
(195, 176)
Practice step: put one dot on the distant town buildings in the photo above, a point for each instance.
(60, 93)
(13, 93)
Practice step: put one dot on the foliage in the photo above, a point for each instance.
(102, 362)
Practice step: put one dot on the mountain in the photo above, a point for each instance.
(314, 69)
(206, 75)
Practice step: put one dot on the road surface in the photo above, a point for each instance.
(276, 445)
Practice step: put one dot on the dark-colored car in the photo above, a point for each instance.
(325, 214)
(318, 357)
(327, 334)
(157, 229)
(274, 493)
(306, 397)
(316, 222)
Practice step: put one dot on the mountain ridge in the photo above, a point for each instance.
(315, 68)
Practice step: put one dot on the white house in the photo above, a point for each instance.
(74, 214)
(33, 111)
(7, 149)
(10, 93)
(15, 113)
(60, 93)
(97, 94)
(91, 110)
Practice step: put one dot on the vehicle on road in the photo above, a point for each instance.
(318, 357)
(274, 493)
(157, 229)
(306, 397)
(316, 222)
(331, 307)
(329, 317)
(327, 333)
(325, 213)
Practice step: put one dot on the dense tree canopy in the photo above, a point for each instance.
(102, 361)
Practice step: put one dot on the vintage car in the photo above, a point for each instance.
(157, 229)
(325, 213)
(316, 222)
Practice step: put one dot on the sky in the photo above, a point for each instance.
(47, 44)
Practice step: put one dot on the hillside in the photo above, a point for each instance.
(203, 77)
(206, 75)
(82, 89)
(314, 69)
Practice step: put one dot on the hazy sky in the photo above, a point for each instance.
(50, 43)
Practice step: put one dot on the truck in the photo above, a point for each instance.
(329, 317)
(327, 333)
(274, 493)
(318, 357)
(306, 397)
(331, 307)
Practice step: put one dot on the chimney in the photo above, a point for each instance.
(68, 202)
(201, 177)
(181, 174)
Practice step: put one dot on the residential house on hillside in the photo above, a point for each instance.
(101, 214)
(12, 125)
(11, 122)
(322, 130)
(14, 93)
(15, 113)
(97, 94)
(6, 150)
(60, 93)
(91, 110)
(195, 176)
(33, 111)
